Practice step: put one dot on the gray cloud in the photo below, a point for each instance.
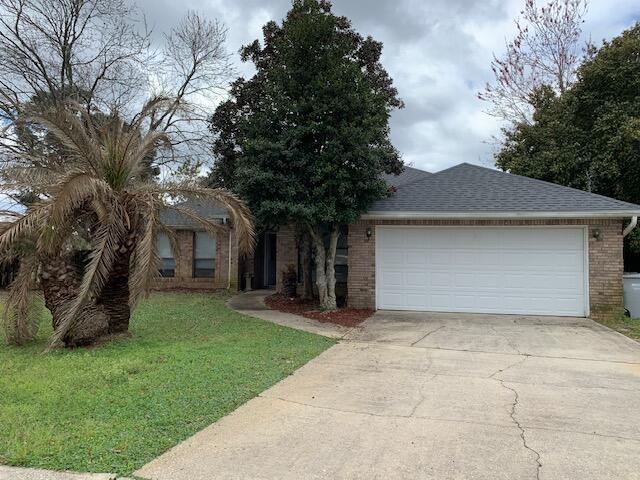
(437, 51)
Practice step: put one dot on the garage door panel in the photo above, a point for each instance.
(390, 279)
(392, 256)
(439, 301)
(416, 279)
(484, 270)
(466, 279)
(440, 257)
(490, 280)
(440, 279)
(416, 301)
(393, 300)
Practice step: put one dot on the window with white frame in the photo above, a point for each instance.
(167, 262)
(204, 255)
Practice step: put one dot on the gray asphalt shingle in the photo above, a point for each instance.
(471, 188)
(206, 208)
(408, 175)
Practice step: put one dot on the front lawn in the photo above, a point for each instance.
(190, 361)
(625, 325)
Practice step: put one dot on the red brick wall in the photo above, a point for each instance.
(605, 259)
(184, 264)
(286, 252)
(605, 270)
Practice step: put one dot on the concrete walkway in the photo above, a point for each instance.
(18, 473)
(252, 304)
(437, 396)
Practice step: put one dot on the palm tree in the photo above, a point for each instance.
(89, 241)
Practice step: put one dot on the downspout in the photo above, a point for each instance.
(631, 226)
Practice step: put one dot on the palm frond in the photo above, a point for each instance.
(150, 108)
(143, 148)
(72, 195)
(240, 214)
(28, 224)
(65, 125)
(21, 315)
(211, 227)
(145, 260)
(31, 177)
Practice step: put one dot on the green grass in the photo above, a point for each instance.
(190, 361)
(625, 325)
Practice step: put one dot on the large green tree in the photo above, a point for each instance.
(588, 137)
(305, 140)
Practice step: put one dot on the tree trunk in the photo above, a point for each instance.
(330, 267)
(115, 294)
(60, 278)
(325, 267)
(106, 315)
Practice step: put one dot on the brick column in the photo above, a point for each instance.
(184, 258)
(361, 281)
(286, 252)
(605, 270)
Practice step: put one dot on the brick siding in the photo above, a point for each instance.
(605, 259)
(184, 278)
(286, 252)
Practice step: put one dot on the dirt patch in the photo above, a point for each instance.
(347, 317)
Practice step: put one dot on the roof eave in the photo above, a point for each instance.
(399, 215)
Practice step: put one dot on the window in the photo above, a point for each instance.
(167, 262)
(204, 255)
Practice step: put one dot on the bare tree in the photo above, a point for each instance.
(545, 51)
(89, 50)
(99, 53)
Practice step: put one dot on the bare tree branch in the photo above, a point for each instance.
(545, 51)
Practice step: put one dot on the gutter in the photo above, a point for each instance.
(631, 226)
(398, 215)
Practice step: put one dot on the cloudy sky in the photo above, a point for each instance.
(437, 51)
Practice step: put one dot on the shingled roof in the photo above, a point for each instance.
(470, 190)
(408, 175)
(209, 209)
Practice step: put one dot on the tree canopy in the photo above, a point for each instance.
(589, 136)
(307, 137)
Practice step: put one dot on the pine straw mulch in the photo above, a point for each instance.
(347, 317)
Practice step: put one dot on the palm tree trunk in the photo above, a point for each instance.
(115, 294)
(60, 279)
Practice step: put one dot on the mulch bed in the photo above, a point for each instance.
(347, 317)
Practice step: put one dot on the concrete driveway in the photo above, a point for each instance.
(441, 396)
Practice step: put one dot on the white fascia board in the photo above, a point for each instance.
(496, 215)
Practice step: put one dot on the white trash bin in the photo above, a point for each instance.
(632, 293)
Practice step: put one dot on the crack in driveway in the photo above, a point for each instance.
(427, 334)
(512, 414)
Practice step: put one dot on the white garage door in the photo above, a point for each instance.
(536, 271)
